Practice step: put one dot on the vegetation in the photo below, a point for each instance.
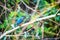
(23, 19)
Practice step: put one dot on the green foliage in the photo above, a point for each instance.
(13, 13)
(17, 1)
(26, 1)
(57, 18)
(42, 4)
(50, 27)
(10, 3)
(21, 14)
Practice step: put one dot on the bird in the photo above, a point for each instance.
(20, 20)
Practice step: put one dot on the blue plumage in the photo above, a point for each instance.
(20, 20)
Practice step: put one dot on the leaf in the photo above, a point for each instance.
(52, 0)
(13, 13)
(26, 1)
(17, 1)
(2, 26)
(57, 18)
(29, 26)
(21, 14)
(39, 30)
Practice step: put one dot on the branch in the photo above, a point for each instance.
(5, 8)
(36, 6)
(27, 6)
(39, 19)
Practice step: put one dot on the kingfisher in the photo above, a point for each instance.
(20, 20)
